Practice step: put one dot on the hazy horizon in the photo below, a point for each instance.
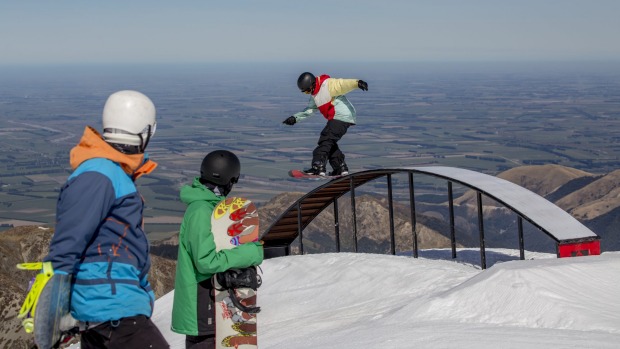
(193, 31)
(287, 72)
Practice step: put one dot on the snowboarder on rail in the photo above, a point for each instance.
(328, 96)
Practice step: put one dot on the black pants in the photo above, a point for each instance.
(130, 332)
(205, 296)
(327, 148)
(200, 342)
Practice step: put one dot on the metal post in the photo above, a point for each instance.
(483, 259)
(336, 225)
(352, 189)
(413, 216)
(299, 230)
(521, 242)
(451, 207)
(391, 212)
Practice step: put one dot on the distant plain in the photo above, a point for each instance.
(483, 117)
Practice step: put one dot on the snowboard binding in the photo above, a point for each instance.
(239, 278)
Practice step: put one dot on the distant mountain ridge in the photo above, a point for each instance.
(590, 198)
(372, 222)
(584, 195)
(543, 180)
(595, 199)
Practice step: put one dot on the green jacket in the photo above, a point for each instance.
(198, 261)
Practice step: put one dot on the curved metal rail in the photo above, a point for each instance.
(571, 237)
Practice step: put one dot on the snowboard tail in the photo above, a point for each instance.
(53, 311)
(302, 174)
(46, 311)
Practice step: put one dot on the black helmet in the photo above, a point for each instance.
(305, 82)
(220, 167)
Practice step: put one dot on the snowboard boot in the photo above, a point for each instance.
(317, 169)
(341, 170)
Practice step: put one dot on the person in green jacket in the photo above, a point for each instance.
(193, 311)
(328, 97)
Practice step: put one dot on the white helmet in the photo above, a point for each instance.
(129, 119)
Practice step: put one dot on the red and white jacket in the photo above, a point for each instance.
(329, 99)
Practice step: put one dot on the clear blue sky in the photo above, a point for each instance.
(155, 31)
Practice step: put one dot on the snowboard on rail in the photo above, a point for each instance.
(234, 222)
(302, 174)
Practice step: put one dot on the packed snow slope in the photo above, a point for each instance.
(358, 301)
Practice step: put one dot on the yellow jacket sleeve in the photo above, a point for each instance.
(339, 87)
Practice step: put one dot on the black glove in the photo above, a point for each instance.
(290, 120)
(362, 85)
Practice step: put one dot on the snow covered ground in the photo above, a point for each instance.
(360, 301)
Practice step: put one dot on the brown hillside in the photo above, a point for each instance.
(275, 207)
(372, 225)
(595, 199)
(541, 179)
(29, 243)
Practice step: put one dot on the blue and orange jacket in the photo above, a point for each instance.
(99, 237)
(329, 98)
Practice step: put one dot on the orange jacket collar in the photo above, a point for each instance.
(92, 145)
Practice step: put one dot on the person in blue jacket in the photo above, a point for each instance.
(99, 237)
